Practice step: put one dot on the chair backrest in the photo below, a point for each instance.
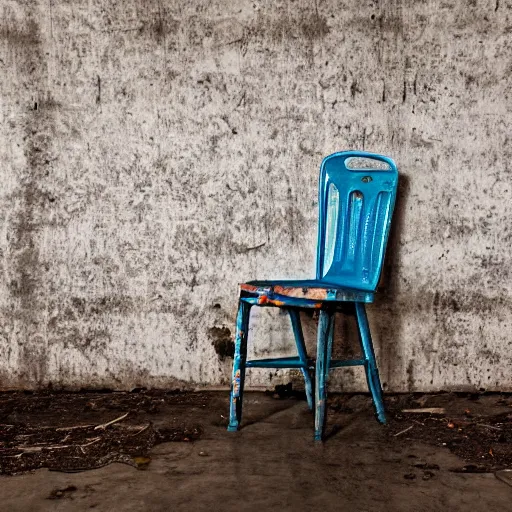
(356, 206)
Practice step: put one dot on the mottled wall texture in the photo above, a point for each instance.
(154, 153)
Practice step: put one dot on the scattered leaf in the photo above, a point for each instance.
(142, 462)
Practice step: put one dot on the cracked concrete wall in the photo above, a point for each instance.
(156, 153)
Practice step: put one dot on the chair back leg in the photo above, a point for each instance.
(372, 373)
(323, 357)
(238, 379)
(301, 349)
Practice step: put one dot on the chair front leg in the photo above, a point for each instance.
(301, 349)
(323, 358)
(238, 379)
(372, 373)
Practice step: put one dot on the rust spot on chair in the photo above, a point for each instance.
(302, 293)
(249, 287)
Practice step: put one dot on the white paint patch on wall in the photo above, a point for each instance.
(156, 153)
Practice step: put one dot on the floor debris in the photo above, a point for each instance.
(403, 431)
(105, 425)
(425, 410)
(72, 432)
(477, 428)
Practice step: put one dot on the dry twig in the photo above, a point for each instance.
(403, 431)
(431, 410)
(105, 425)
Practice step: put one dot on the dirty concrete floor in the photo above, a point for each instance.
(273, 463)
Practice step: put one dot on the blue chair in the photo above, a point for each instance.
(356, 206)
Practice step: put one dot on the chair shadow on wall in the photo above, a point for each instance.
(388, 322)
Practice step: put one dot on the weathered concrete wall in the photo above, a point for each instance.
(155, 153)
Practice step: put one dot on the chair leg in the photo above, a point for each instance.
(372, 373)
(301, 349)
(238, 380)
(323, 359)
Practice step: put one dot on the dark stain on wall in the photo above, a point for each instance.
(21, 37)
(307, 25)
(314, 26)
(160, 26)
(222, 342)
(30, 202)
(410, 375)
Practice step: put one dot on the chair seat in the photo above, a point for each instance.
(307, 293)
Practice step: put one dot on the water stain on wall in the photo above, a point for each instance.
(222, 342)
